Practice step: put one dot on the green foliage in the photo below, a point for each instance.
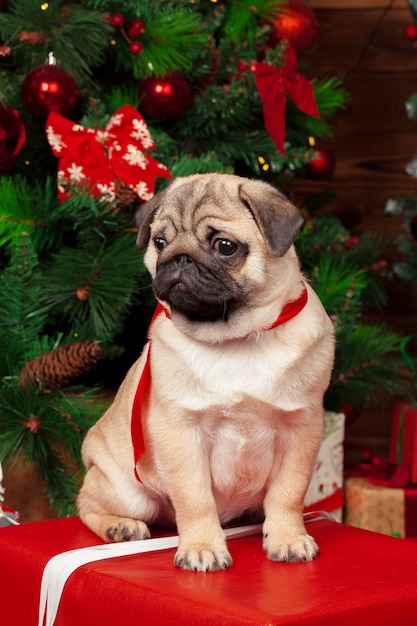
(78, 36)
(16, 211)
(21, 316)
(370, 363)
(27, 208)
(170, 44)
(241, 20)
(106, 278)
(47, 432)
(325, 245)
(209, 162)
(348, 274)
(330, 97)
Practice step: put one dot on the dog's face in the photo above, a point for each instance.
(218, 246)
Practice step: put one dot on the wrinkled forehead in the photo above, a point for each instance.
(194, 203)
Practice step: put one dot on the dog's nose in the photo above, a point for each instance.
(182, 260)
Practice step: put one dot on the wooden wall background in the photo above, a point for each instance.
(363, 42)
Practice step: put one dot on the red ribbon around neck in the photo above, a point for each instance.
(92, 158)
(289, 311)
(273, 84)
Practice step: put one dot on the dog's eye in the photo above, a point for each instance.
(225, 247)
(160, 243)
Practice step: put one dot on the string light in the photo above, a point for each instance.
(44, 6)
(263, 163)
(311, 142)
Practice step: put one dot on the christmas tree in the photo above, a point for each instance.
(100, 106)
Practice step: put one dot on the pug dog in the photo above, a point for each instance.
(239, 357)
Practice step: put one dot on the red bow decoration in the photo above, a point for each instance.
(93, 158)
(375, 469)
(273, 84)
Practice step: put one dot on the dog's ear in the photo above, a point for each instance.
(277, 218)
(144, 216)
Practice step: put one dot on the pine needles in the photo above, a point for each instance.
(347, 274)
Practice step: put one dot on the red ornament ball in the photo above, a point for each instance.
(164, 98)
(117, 19)
(136, 28)
(322, 164)
(135, 47)
(12, 136)
(411, 31)
(49, 88)
(298, 24)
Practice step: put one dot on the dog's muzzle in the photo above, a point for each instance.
(194, 290)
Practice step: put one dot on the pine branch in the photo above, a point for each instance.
(16, 210)
(47, 431)
(94, 285)
(27, 208)
(369, 364)
(22, 317)
(340, 287)
(330, 97)
(219, 117)
(208, 162)
(78, 36)
(171, 42)
(241, 21)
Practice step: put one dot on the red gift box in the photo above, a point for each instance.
(360, 577)
(403, 446)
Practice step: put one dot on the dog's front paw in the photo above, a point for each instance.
(202, 558)
(291, 549)
(126, 529)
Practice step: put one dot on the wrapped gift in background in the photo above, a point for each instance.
(382, 495)
(381, 508)
(403, 442)
(325, 492)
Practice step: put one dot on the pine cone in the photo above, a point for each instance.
(58, 367)
(124, 194)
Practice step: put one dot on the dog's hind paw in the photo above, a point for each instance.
(301, 548)
(126, 529)
(203, 559)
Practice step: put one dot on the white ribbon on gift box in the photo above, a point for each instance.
(60, 567)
